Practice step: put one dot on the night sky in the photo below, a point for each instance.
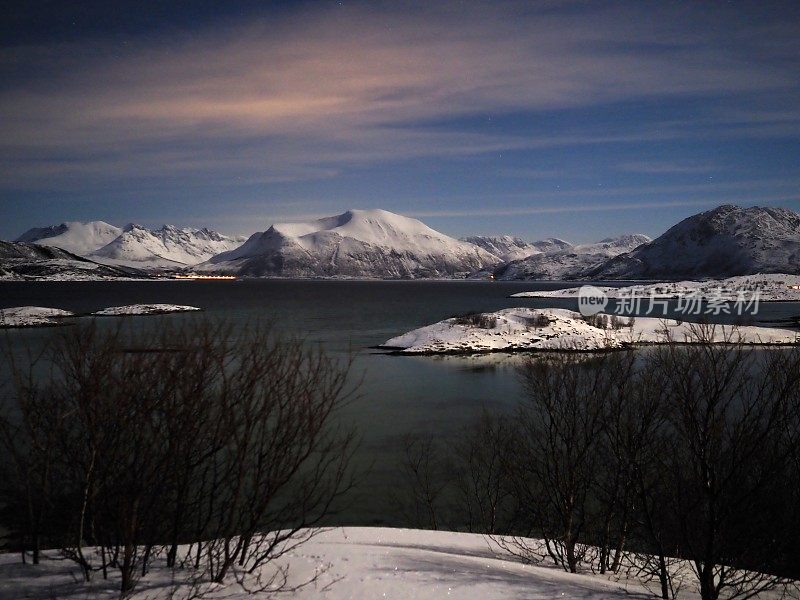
(575, 119)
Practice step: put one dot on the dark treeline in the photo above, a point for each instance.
(629, 461)
(120, 448)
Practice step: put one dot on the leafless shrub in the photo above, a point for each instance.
(538, 321)
(423, 494)
(481, 320)
(483, 482)
(601, 321)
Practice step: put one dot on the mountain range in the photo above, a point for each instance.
(508, 248)
(168, 247)
(567, 261)
(726, 241)
(133, 245)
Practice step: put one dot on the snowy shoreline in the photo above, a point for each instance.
(773, 287)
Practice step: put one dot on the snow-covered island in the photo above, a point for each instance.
(518, 329)
(772, 287)
(144, 309)
(32, 316)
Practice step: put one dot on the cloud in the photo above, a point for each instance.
(665, 167)
(542, 210)
(299, 96)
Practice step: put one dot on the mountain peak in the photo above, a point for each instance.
(169, 246)
(357, 242)
(77, 237)
(725, 241)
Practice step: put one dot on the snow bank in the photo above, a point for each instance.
(143, 309)
(514, 329)
(32, 316)
(773, 287)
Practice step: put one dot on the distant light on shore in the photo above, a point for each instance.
(214, 277)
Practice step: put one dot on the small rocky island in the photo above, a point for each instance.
(527, 329)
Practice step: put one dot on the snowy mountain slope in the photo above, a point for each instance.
(567, 261)
(20, 260)
(508, 248)
(723, 242)
(357, 243)
(504, 247)
(78, 237)
(614, 245)
(551, 245)
(168, 247)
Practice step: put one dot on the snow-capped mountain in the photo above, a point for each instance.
(357, 243)
(22, 260)
(566, 261)
(508, 248)
(723, 242)
(551, 245)
(504, 247)
(168, 247)
(614, 245)
(78, 237)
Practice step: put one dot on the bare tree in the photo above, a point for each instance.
(483, 483)
(425, 470)
(555, 459)
(27, 475)
(683, 456)
(722, 494)
(196, 433)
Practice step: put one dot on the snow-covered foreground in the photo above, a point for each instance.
(358, 562)
(32, 316)
(773, 287)
(560, 329)
(144, 309)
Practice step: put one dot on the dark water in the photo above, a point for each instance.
(398, 395)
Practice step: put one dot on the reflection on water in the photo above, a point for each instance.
(399, 394)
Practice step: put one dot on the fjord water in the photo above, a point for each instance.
(398, 394)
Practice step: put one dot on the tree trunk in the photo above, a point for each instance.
(172, 554)
(126, 570)
(708, 591)
(146, 558)
(663, 576)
